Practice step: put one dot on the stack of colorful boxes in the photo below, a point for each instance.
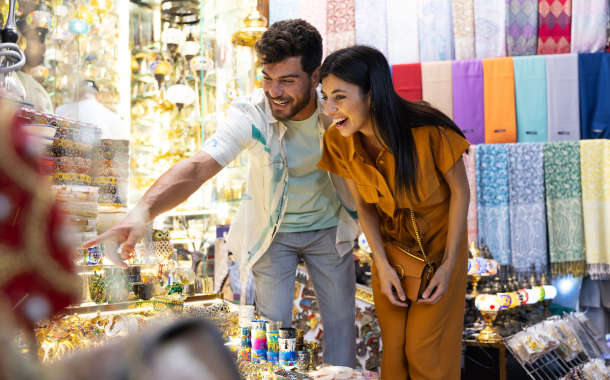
(273, 346)
(287, 342)
(259, 341)
(111, 172)
(245, 347)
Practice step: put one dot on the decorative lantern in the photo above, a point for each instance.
(181, 95)
(61, 10)
(488, 305)
(492, 267)
(473, 266)
(533, 295)
(550, 292)
(173, 37)
(514, 300)
(482, 265)
(101, 7)
(190, 47)
(78, 26)
(160, 68)
(505, 300)
(523, 296)
(42, 17)
(201, 63)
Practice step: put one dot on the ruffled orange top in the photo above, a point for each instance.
(438, 149)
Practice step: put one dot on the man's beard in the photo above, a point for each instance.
(293, 110)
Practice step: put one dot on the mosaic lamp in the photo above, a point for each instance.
(488, 305)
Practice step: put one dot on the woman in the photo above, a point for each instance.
(392, 151)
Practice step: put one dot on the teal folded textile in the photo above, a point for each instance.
(564, 208)
(530, 98)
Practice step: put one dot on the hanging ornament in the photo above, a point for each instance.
(172, 37)
(79, 26)
(255, 27)
(181, 95)
(232, 89)
(160, 68)
(201, 63)
(61, 10)
(190, 47)
(42, 17)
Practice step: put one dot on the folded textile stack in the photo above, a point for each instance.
(70, 150)
(111, 172)
(79, 205)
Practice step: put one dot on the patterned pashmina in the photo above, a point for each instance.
(589, 25)
(341, 25)
(499, 89)
(527, 211)
(594, 82)
(490, 28)
(564, 208)
(595, 176)
(314, 12)
(492, 201)
(407, 81)
(530, 98)
(371, 24)
(280, 10)
(435, 30)
(521, 27)
(554, 31)
(563, 107)
(463, 28)
(436, 86)
(403, 31)
(471, 172)
(468, 103)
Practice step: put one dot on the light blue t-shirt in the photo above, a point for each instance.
(313, 203)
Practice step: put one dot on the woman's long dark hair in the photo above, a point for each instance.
(393, 117)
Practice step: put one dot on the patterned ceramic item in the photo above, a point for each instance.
(113, 164)
(109, 142)
(287, 344)
(288, 332)
(287, 375)
(110, 149)
(110, 172)
(120, 157)
(162, 245)
(97, 181)
(94, 254)
(112, 199)
(488, 302)
(71, 179)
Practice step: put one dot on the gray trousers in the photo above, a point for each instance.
(334, 281)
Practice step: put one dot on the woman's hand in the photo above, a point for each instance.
(391, 287)
(438, 285)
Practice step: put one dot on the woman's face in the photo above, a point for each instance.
(349, 109)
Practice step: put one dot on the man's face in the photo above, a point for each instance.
(288, 87)
(35, 49)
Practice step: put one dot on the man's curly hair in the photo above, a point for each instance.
(291, 38)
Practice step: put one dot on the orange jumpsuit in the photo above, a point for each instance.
(422, 341)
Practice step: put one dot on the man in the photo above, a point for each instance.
(291, 209)
(35, 94)
(89, 109)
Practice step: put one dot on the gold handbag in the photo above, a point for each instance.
(413, 271)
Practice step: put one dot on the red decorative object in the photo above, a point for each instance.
(36, 269)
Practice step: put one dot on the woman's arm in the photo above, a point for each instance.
(370, 222)
(458, 213)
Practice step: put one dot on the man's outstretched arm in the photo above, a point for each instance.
(171, 189)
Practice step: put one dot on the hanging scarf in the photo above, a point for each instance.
(407, 81)
(594, 82)
(521, 27)
(341, 25)
(471, 173)
(403, 31)
(554, 26)
(280, 10)
(526, 204)
(463, 28)
(435, 30)
(563, 109)
(315, 13)
(530, 98)
(490, 28)
(436, 86)
(564, 208)
(595, 176)
(371, 24)
(468, 103)
(499, 90)
(589, 23)
(492, 201)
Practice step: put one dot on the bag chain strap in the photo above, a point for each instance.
(419, 240)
